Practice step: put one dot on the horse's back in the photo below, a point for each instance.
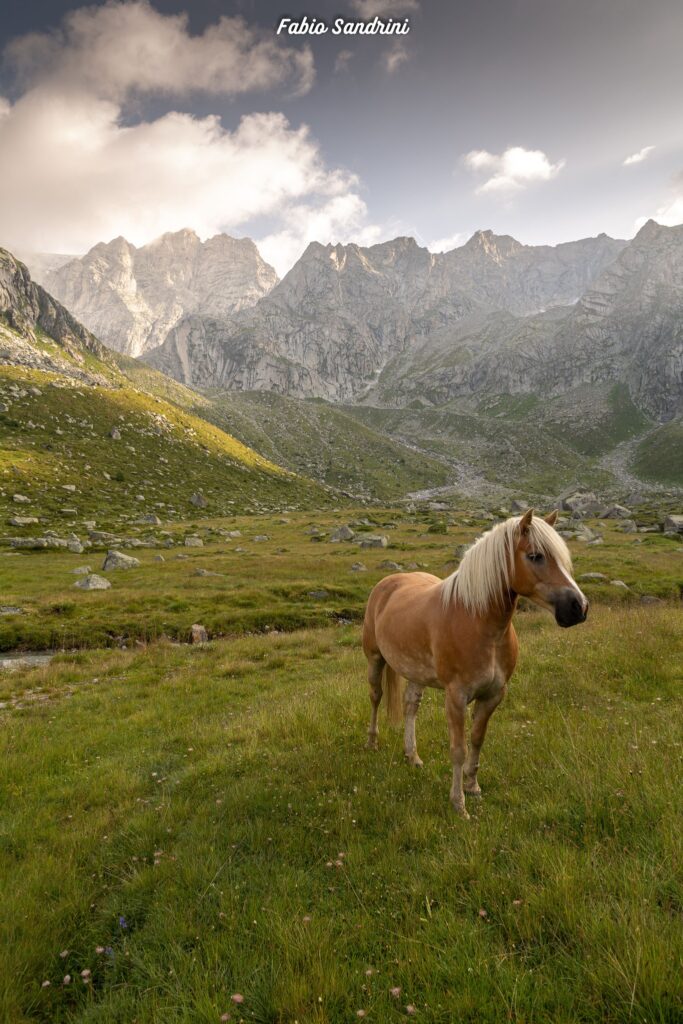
(390, 596)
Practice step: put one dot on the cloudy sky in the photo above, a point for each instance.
(545, 119)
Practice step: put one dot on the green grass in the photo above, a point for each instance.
(268, 584)
(164, 455)
(178, 808)
(660, 456)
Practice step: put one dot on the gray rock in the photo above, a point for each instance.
(390, 566)
(617, 512)
(11, 609)
(23, 521)
(158, 558)
(115, 434)
(374, 541)
(194, 542)
(75, 546)
(628, 526)
(82, 570)
(151, 520)
(673, 524)
(592, 576)
(198, 634)
(21, 499)
(117, 560)
(93, 582)
(198, 500)
(619, 583)
(342, 533)
(359, 567)
(318, 595)
(260, 538)
(28, 542)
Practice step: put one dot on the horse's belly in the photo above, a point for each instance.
(412, 665)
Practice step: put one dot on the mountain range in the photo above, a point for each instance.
(493, 355)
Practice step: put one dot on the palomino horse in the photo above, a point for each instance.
(457, 634)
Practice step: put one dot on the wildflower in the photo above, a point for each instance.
(360, 1013)
(395, 991)
(307, 919)
(122, 922)
(225, 1016)
(99, 950)
(483, 914)
(46, 984)
(410, 1009)
(64, 953)
(237, 998)
(67, 979)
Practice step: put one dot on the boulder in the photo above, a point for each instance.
(21, 499)
(93, 582)
(23, 521)
(318, 595)
(198, 500)
(117, 560)
(342, 533)
(578, 500)
(374, 541)
(359, 567)
(619, 583)
(82, 570)
(115, 434)
(194, 542)
(673, 524)
(198, 634)
(75, 546)
(616, 512)
(390, 566)
(628, 526)
(149, 520)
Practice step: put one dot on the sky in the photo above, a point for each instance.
(548, 120)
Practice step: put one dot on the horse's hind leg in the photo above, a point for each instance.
(411, 705)
(375, 670)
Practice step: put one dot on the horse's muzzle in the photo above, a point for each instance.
(570, 610)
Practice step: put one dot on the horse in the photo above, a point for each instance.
(456, 634)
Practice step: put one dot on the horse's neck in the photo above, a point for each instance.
(497, 620)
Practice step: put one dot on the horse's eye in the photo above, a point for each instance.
(535, 557)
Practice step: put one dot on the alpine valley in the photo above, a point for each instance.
(494, 369)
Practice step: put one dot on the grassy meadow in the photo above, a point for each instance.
(181, 825)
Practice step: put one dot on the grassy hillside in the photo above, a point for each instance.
(660, 455)
(189, 827)
(56, 432)
(322, 441)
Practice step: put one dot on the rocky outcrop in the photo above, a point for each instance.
(343, 312)
(131, 298)
(38, 332)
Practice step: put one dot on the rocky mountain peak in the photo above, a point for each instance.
(131, 297)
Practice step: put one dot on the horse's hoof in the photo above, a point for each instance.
(414, 760)
(460, 810)
(371, 744)
(476, 793)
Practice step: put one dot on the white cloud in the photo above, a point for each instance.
(368, 9)
(76, 169)
(124, 47)
(342, 218)
(637, 158)
(396, 55)
(446, 244)
(514, 169)
(670, 213)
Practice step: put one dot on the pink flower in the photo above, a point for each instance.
(67, 979)
(395, 991)
(237, 998)
(410, 1009)
(360, 1013)
(85, 974)
(225, 1016)
(483, 913)
(46, 984)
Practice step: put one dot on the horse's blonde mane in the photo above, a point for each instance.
(483, 576)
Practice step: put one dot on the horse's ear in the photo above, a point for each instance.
(525, 521)
(551, 518)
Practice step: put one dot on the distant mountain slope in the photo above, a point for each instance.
(626, 329)
(79, 440)
(132, 297)
(344, 311)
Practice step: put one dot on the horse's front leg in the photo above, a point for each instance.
(483, 709)
(456, 707)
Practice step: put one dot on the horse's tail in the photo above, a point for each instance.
(392, 685)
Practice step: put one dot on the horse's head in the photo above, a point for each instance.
(538, 571)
